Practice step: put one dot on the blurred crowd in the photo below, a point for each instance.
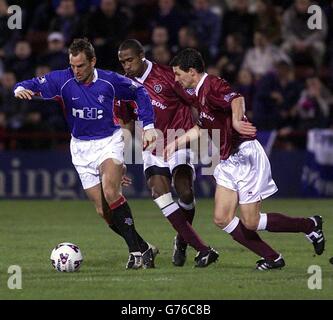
(264, 48)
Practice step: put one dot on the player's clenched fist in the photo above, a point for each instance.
(149, 139)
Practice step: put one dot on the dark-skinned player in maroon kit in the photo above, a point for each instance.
(172, 106)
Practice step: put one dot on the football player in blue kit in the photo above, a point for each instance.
(87, 96)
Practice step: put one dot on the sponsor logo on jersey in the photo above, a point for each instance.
(158, 104)
(206, 116)
(158, 88)
(87, 113)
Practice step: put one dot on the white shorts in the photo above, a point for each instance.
(88, 155)
(181, 156)
(248, 172)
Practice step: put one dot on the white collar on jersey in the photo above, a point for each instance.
(95, 75)
(200, 83)
(145, 75)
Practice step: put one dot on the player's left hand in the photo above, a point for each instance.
(149, 139)
(125, 180)
(245, 128)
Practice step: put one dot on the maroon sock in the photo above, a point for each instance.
(189, 216)
(277, 222)
(185, 230)
(251, 240)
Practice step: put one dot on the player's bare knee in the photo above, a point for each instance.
(186, 196)
(250, 223)
(185, 191)
(111, 194)
(156, 192)
(222, 221)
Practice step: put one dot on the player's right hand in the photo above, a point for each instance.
(149, 139)
(24, 94)
(244, 128)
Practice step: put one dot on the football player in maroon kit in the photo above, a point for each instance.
(172, 106)
(243, 175)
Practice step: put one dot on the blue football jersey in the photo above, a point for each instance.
(89, 107)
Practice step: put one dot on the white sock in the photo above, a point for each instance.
(186, 206)
(166, 204)
(262, 222)
(232, 225)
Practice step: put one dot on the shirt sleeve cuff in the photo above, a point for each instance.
(149, 126)
(18, 89)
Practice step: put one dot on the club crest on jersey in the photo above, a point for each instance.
(190, 91)
(157, 88)
(101, 98)
(229, 96)
(128, 221)
(41, 80)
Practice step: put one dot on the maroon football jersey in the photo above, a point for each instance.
(172, 104)
(215, 96)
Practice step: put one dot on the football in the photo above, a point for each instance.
(66, 257)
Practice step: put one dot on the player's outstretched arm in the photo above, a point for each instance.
(127, 89)
(238, 123)
(181, 142)
(46, 87)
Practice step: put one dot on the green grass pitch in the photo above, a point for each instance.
(30, 229)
